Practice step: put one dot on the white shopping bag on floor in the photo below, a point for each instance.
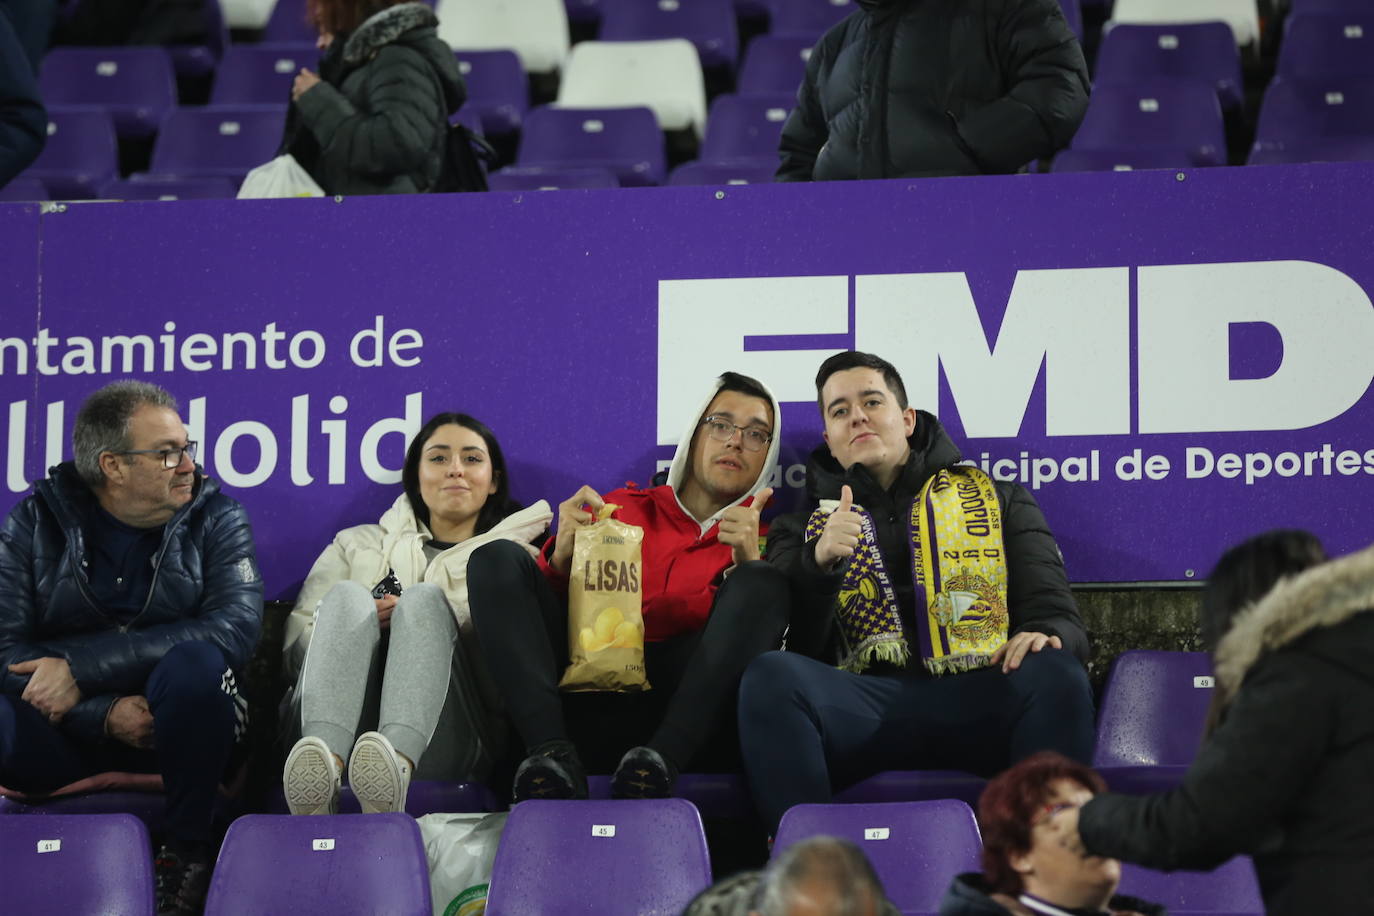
(461, 849)
(282, 177)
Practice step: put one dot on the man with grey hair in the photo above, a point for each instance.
(129, 598)
(818, 876)
(822, 876)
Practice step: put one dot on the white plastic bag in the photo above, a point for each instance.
(461, 849)
(282, 177)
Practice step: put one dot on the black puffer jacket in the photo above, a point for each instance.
(968, 896)
(1038, 595)
(907, 88)
(23, 119)
(206, 586)
(378, 121)
(1286, 776)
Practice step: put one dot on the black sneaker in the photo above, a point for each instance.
(183, 880)
(552, 770)
(643, 773)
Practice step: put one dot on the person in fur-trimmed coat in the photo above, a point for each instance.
(1285, 774)
(374, 120)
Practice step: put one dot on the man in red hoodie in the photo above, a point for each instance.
(710, 604)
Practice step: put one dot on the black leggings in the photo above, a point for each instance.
(688, 715)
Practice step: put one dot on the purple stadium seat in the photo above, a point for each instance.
(583, 12)
(723, 795)
(1167, 116)
(707, 24)
(288, 24)
(1327, 6)
(1198, 51)
(424, 797)
(534, 178)
(1334, 149)
(775, 63)
(200, 60)
(135, 85)
(76, 864)
(277, 863)
(1230, 890)
(1073, 14)
(1119, 160)
(807, 17)
(625, 140)
(745, 128)
(226, 141)
(23, 188)
(261, 74)
(1322, 46)
(1150, 724)
(1302, 112)
(715, 173)
(80, 154)
(914, 785)
(470, 118)
(915, 847)
(498, 89)
(608, 858)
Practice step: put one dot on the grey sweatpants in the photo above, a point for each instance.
(407, 683)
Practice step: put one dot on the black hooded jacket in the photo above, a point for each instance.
(1285, 777)
(907, 88)
(378, 121)
(1038, 595)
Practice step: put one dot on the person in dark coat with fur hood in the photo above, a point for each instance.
(932, 624)
(1284, 775)
(908, 88)
(374, 120)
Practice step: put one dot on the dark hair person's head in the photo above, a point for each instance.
(734, 381)
(853, 359)
(1247, 572)
(339, 17)
(498, 505)
(1010, 804)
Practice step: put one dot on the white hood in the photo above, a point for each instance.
(677, 471)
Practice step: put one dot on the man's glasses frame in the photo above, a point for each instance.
(751, 438)
(171, 457)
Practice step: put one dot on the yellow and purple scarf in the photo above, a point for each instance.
(958, 568)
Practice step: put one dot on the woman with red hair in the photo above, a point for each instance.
(374, 120)
(1027, 866)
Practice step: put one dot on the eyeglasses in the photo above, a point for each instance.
(171, 457)
(752, 439)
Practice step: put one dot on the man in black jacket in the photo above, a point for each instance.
(975, 666)
(129, 597)
(910, 88)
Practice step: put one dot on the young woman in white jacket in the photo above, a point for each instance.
(376, 639)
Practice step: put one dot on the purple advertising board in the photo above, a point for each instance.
(1170, 361)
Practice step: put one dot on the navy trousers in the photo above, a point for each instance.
(193, 733)
(807, 728)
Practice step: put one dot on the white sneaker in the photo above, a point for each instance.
(380, 777)
(311, 778)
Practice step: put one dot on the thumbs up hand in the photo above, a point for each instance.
(840, 536)
(739, 527)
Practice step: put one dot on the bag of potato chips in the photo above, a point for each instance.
(605, 629)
